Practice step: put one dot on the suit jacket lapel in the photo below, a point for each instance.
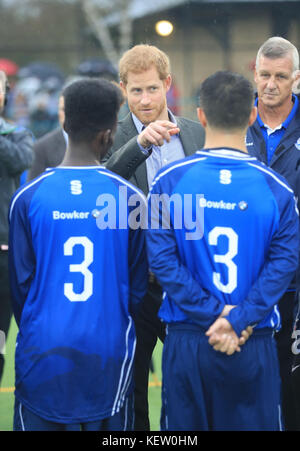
(139, 178)
(187, 137)
(128, 128)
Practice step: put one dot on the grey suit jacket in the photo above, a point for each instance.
(49, 151)
(126, 158)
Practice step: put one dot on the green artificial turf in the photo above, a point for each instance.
(7, 384)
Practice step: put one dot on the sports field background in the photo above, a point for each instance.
(7, 384)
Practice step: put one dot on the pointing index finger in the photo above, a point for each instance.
(167, 124)
(174, 131)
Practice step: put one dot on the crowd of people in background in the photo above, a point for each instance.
(34, 91)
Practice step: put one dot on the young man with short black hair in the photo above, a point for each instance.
(229, 278)
(76, 284)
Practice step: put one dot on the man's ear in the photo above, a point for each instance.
(104, 138)
(107, 138)
(296, 83)
(168, 82)
(255, 75)
(102, 142)
(202, 117)
(123, 89)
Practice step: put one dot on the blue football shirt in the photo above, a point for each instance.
(78, 273)
(223, 229)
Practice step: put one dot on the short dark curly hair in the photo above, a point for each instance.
(91, 105)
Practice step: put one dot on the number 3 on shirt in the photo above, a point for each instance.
(82, 268)
(226, 259)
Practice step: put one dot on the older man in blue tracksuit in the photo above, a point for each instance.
(274, 139)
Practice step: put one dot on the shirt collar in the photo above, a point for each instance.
(288, 119)
(6, 127)
(65, 135)
(139, 125)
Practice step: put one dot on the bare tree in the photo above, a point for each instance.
(97, 13)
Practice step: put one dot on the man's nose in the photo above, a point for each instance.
(271, 83)
(145, 100)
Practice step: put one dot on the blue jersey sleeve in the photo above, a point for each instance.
(21, 254)
(202, 306)
(81, 280)
(277, 272)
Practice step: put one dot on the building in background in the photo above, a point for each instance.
(211, 35)
(207, 35)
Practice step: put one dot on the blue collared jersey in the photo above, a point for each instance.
(78, 273)
(223, 229)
